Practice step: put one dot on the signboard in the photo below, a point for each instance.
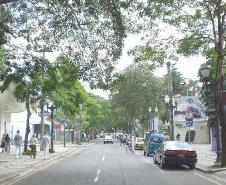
(189, 119)
(189, 115)
(189, 122)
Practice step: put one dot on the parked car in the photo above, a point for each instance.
(152, 141)
(138, 143)
(176, 153)
(108, 139)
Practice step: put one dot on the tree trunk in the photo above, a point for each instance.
(219, 47)
(42, 104)
(27, 125)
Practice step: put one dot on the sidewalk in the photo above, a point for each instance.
(12, 168)
(206, 158)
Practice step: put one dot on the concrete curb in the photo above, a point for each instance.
(211, 170)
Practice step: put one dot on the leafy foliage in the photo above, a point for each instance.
(89, 33)
(138, 90)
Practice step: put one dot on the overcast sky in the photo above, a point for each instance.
(187, 66)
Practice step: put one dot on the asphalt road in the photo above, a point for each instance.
(109, 164)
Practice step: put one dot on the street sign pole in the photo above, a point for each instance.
(189, 123)
(189, 135)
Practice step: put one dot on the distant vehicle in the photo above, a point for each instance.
(177, 153)
(108, 139)
(152, 141)
(138, 143)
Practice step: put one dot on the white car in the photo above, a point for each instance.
(108, 139)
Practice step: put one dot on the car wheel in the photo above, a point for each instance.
(154, 160)
(104, 142)
(192, 166)
(162, 162)
(144, 153)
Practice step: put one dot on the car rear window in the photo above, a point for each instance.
(139, 140)
(156, 139)
(178, 145)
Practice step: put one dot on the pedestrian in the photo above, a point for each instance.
(7, 142)
(18, 143)
(45, 143)
(178, 137)
(33, 142)
(3, 142)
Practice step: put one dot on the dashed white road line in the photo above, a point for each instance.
(97, 177)
(105, 151)
(103, 158)
(98, 172)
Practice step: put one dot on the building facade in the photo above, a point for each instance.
(8, 105)
(199, 132)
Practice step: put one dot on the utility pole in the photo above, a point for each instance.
(170, 93)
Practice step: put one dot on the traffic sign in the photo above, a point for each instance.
(189, 122)
(189, 115)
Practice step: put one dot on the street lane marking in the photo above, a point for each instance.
(98, 172)
(103, 158)
(97, 177)
(105, 151)
(206, 178)
(149, 162)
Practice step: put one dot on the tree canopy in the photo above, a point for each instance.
(138, 90)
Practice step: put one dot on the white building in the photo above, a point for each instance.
(8, 105)
(200, 132)
(18, 121)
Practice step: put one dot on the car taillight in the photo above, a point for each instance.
(170, 153)
(192, 153)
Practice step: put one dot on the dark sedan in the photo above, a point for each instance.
(176, 153)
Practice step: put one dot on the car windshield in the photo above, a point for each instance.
(139, 140)
(108, 137)
(178, 145)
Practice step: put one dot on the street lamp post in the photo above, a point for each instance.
(64, 122)
(80, 121)
(150, 111)
(152, 115)
(170, 99)
(205, 74)
(52, 108)
(171, 107)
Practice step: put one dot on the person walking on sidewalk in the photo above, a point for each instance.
(3, 142)
(45, 143)
(7, 143)
(18, 143)
(33, 142)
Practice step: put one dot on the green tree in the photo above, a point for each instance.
(19, 77)
(203, 33)
(90, 33)
(138, 90)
